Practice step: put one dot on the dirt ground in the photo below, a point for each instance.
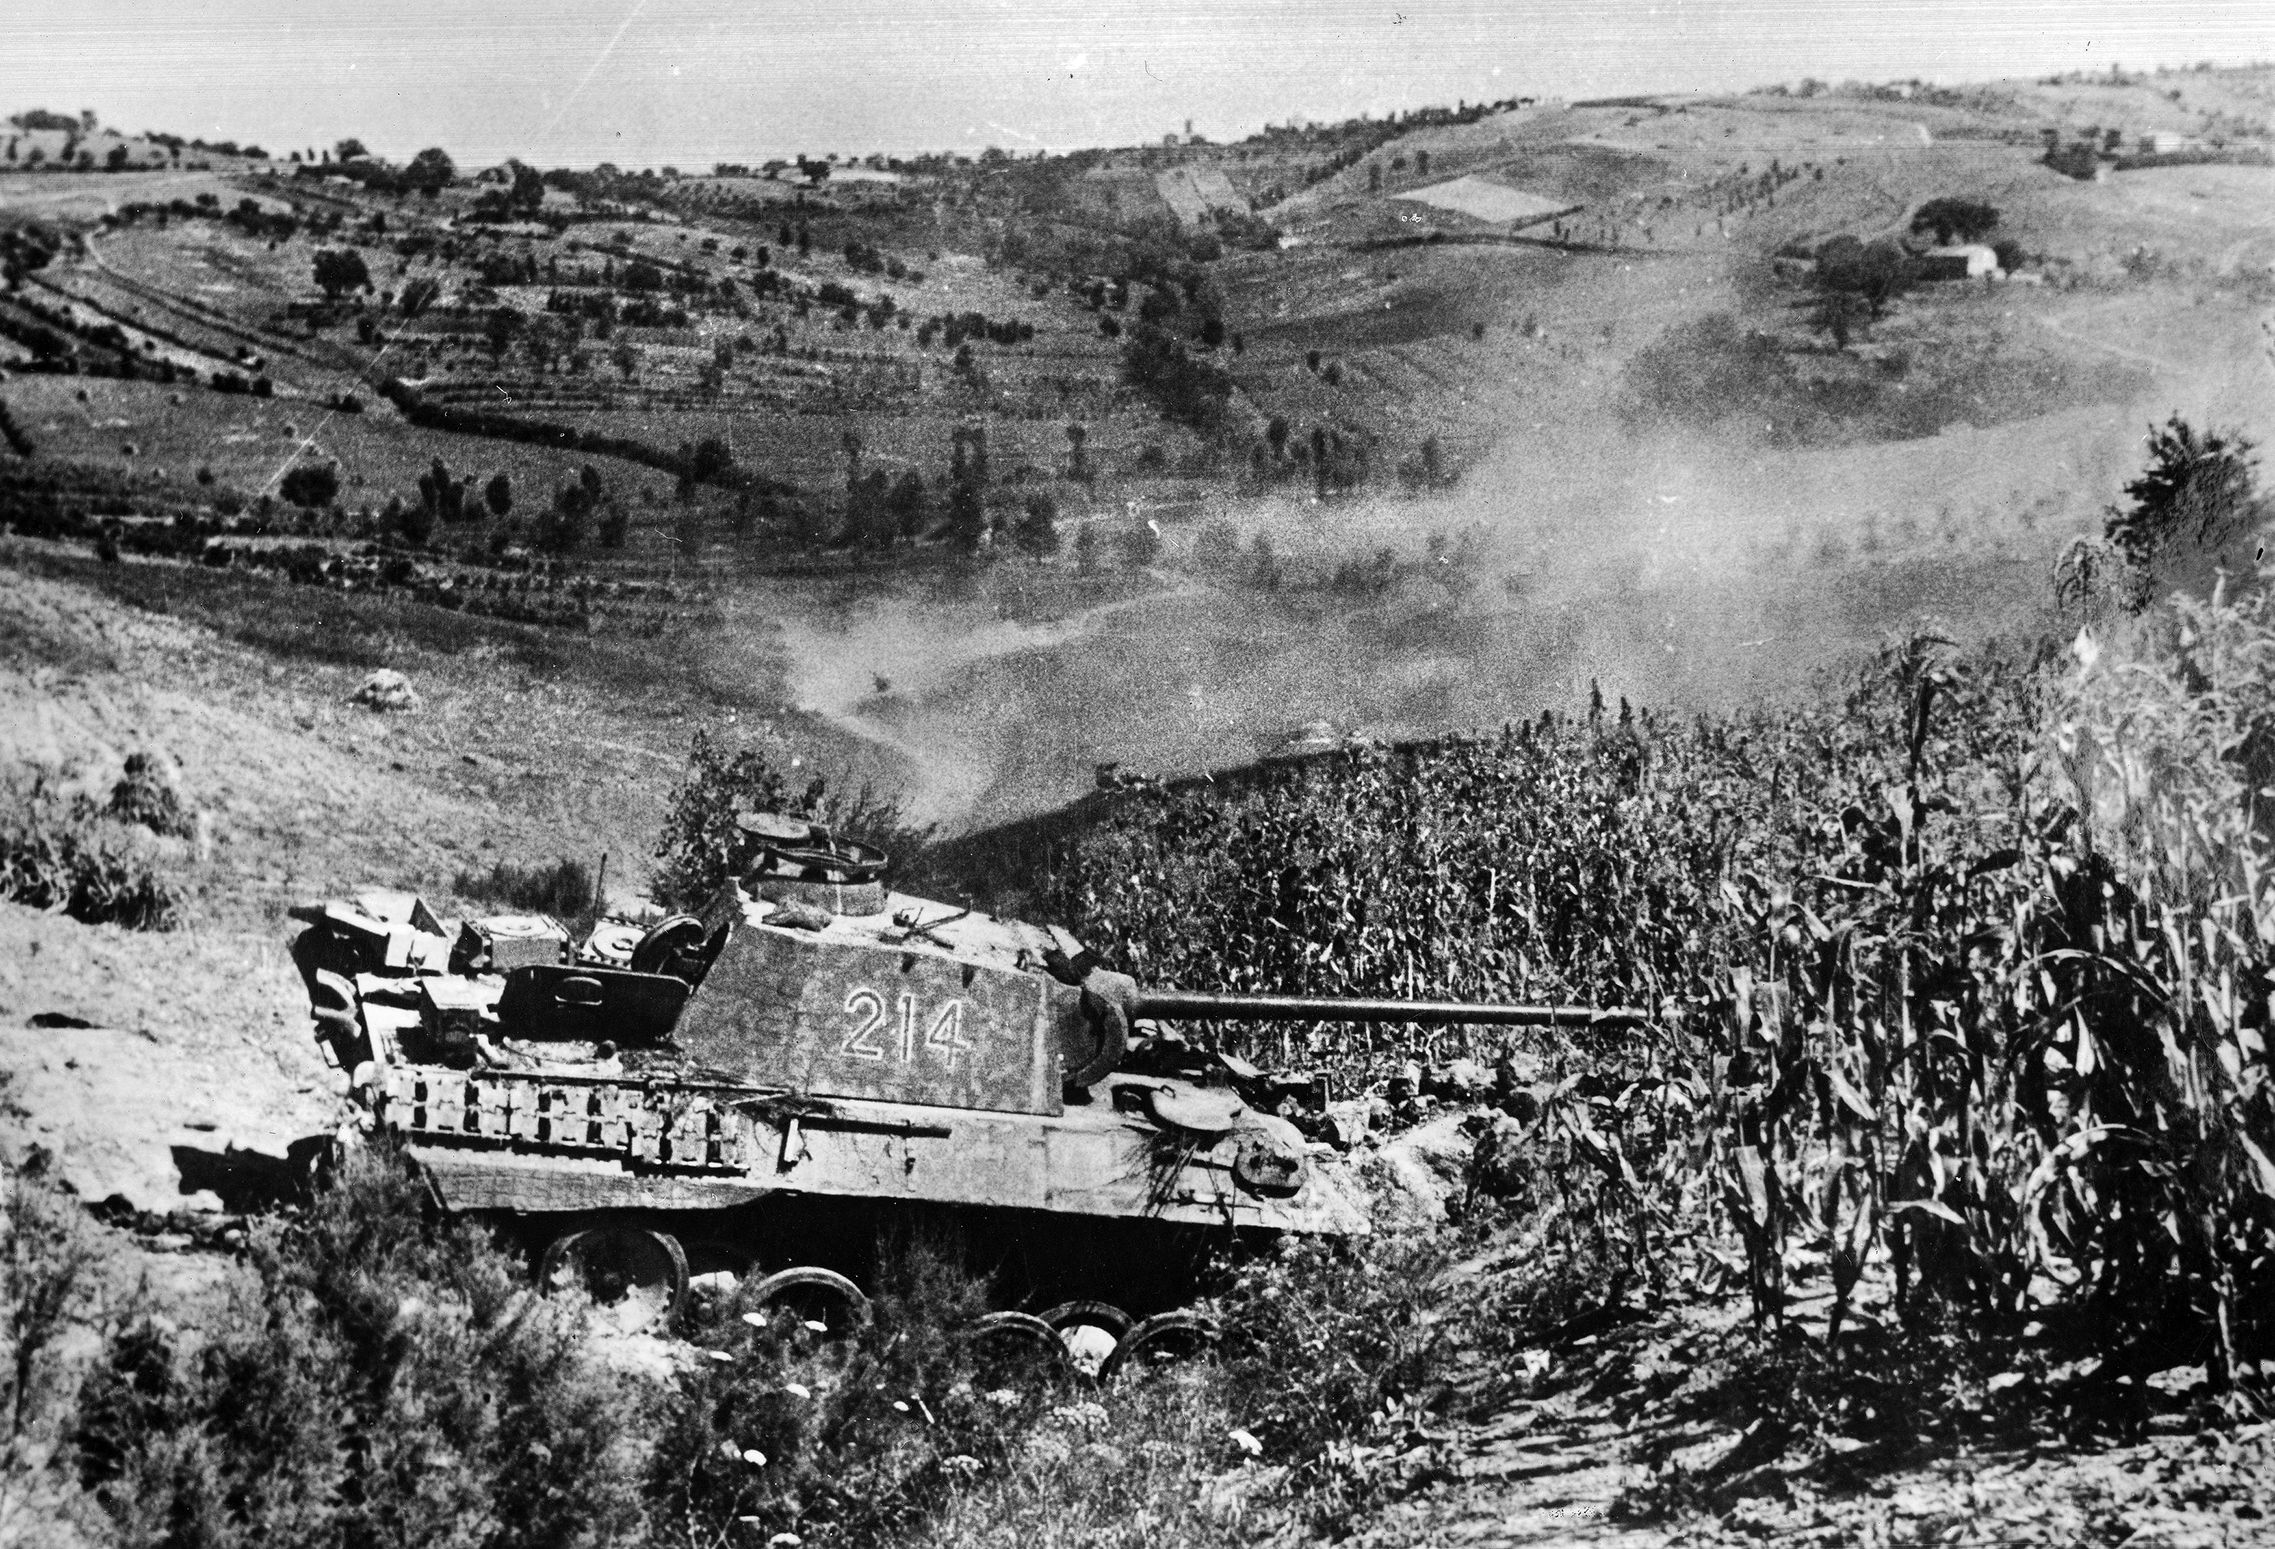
(1639, 1436)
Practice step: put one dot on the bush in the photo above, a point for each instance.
(700, 842)
(1961, 220)
(2197, 493)
(44, 1266)
(845, 1442)
(396, 1382)
(1333, 1340)
(62, 855)
(564, 889)
(12, 434)
(1037, 532)
(311, 485)
(146, 795)
(1185, 390)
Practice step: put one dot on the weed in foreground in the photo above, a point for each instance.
(44, 1264)
(393, 1379)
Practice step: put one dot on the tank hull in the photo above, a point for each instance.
(1101, 1159)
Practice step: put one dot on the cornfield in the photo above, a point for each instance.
(1961, 978)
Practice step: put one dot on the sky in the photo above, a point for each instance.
(693, 82)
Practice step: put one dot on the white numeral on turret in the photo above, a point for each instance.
(868, 1005)
(947, 1036)
(908, 1028)
(873, 1012)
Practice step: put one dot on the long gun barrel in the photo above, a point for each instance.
(1203, 1006)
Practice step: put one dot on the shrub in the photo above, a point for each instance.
(44, 1262)
(12, 433)
(1330, 1341)
(58, 854)
(1037, 532)
(2195, 495)
(1185, 390)
(395, 1382)
(1963, 220)
(146, 794)
(700, 842)
(565, 889)
(845, 1442)
(311, 485)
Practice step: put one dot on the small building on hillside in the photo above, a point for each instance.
(2164, 142)
(1961, 261)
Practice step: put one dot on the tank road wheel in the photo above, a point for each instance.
(1090, 1331)
(823, 1300)
(1161, 1339)
(673, 945)
(636, 1278)
(1010, 1345)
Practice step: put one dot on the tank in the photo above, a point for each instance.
(817, 1068)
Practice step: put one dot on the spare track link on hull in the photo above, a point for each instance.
(675, 1127)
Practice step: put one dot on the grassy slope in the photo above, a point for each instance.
(531, 743)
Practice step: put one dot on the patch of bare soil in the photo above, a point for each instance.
(166, 1072)
(1683, 1426)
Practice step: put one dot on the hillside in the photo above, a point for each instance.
(1447, 343)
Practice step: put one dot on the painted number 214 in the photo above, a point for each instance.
(945, 1038)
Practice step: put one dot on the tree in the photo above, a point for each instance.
(868, 509)
(501, 328)
(967, 484)
(430, 171)
(442, 497)
(1187, 391)
(708, 461)
(1962, 220)
(1078, 453)
(311, 485)
(415, 523)
(117, 159)
(1878, 272)
(340, 270)
(350, 149)
(562, 529)
(417, 295)
(498, 494)
(2197, 492)
(528, 192)
(1840, 313)
(1037, 533)
(627, 358)
(910, 505)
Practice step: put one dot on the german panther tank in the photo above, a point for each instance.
(816, 1065)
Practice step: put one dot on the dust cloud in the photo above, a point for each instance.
(1675, 572)
(1680, 569)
